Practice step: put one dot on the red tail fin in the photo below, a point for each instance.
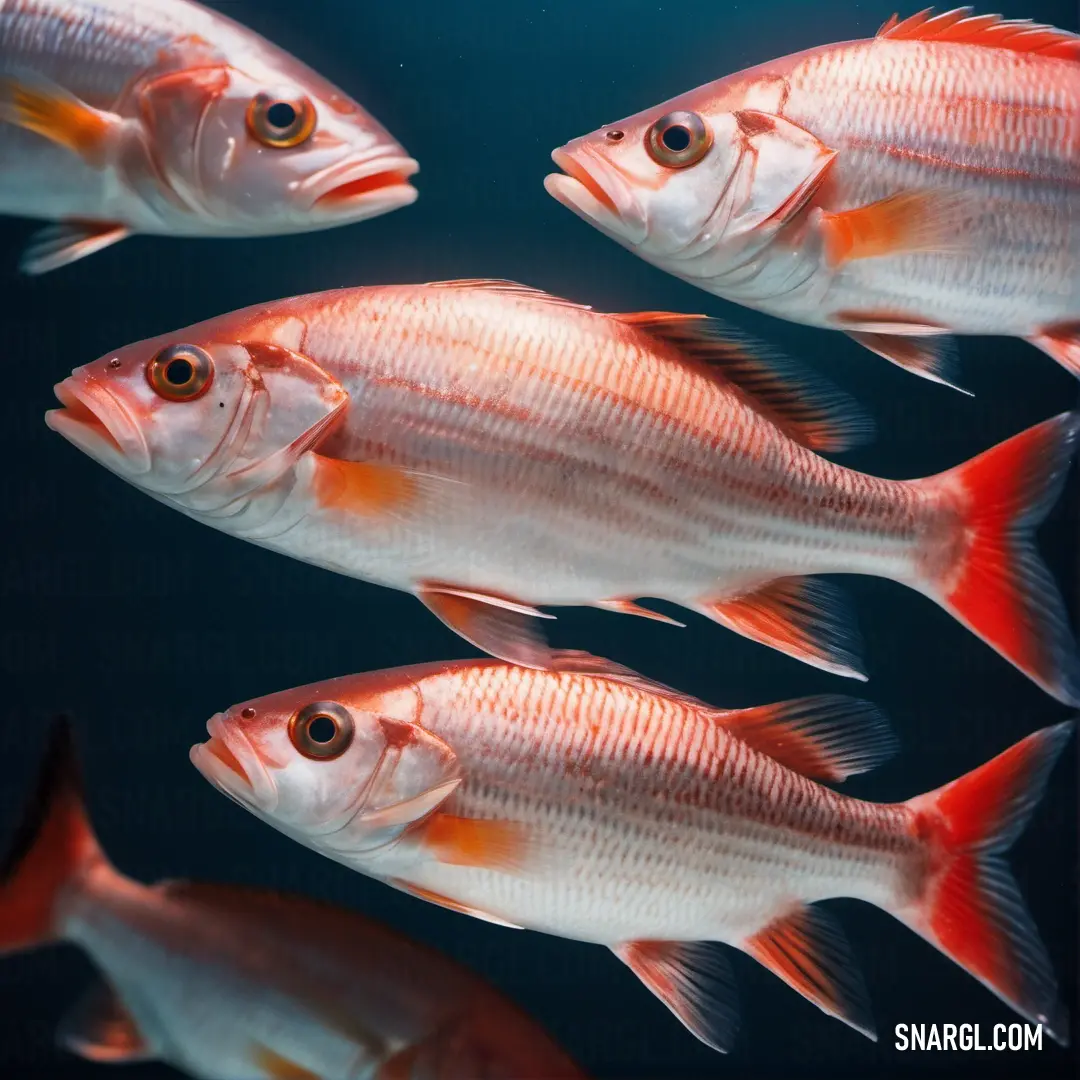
(53, 846)
(996, 584)
(969, 906)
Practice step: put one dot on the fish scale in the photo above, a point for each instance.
(679, 797)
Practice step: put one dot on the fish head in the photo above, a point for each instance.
(701, 177)
(203, 416)
(269, 149)
(330, 764)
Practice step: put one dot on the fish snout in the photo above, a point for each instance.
(98, 422)
(597, 192)
(229, 761)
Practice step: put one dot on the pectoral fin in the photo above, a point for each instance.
(908, 222)
(802, 617)
(60, 245)
(808, 950)
(99, 1028)
(375, 489)
(693, 979)
(493, 845)
(277, 1067)
(33, 102)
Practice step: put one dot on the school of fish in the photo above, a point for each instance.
(496, 451)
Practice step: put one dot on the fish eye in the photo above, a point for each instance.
(322, 730)
(281, 123)
(678, 139)
(180, 372)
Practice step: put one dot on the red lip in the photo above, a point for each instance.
(74, 408)
(576, 171)
(218, 748)
(364, 186)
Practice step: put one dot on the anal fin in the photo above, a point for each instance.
(800, 616)
(1062, 343)
(693, 979)
(99, 1028)
(67, 242)
(808, 950)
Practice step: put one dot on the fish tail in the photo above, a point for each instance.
(53, 849)
(985, 569)
(967, 903)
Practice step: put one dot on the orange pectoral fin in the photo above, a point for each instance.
(808, 950)
(362, 487)
(492, 845)
(278, 1067)
(39, 105)
(901, 224)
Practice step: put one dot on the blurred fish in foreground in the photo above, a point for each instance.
(160, 116)
(491, 449)
(616, 811)
(232, 983)
(921, 183)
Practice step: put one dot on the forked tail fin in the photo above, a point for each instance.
(992, 579)
(969, 906)
(52, 848)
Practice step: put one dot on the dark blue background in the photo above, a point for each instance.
(143, 623)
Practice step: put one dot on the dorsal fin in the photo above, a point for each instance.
(507, 288)
(825, 737)
(961, 26)
(809, 410)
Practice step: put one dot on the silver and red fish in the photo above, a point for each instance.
(162, 117)
(492, 449)
(232, 983)
(611, 810)
(918, 184)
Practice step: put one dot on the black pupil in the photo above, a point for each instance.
(676, 138)
(322, 729)
(281, 115)
(179, 372)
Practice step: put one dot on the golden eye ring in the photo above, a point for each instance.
(322, 731)
(180, 372)
(678, 140)
(281, 123)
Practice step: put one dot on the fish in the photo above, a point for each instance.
(493, 449)
(161, 117)
(611, 810)
(237, 983)
(902, 189)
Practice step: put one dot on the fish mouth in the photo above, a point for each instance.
(96, 421)
(229, 761)
(594, 191)
(371, 188)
